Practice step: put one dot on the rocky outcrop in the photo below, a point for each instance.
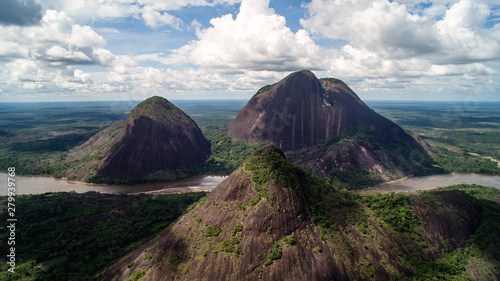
(155, 136)
(301, 111)
(325, 127)
(270, 220)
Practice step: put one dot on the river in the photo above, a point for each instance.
(42, 184)
(430, 182)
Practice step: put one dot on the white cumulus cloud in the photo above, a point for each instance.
(403, 46)
(57, 41)
(391, 31)
(257, 39)
(391, 39)
(44, 58)
(154, 13)
(155, 19)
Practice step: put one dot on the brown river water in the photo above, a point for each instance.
(430, 182)
(42, 184)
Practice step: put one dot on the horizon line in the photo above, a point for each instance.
(364, 100)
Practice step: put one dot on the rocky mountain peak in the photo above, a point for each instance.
(321, 122)
(300, 111)
(157, 137)
(157, 108)
(270, 220)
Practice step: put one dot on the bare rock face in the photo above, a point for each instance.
(270, 220)
(301, 111)
(155, 136)
(325, 127)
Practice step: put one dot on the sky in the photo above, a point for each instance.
(76, 50)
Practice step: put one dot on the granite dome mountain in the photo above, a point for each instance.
(271, 220)
(328, 130)
(156, 137)
(300, 111)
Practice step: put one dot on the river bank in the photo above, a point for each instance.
(430, 182)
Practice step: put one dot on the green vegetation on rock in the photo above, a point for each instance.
(212, 231)
(231, 246)
(273, 254)
(237, 228)
(334, 80)
(270, 163)
(317, 250)
(394, 209)
(136, 275)
(173, 259)
(158, 109)
(480, 259)
(355, 179)
(263, 90)
(289, 240)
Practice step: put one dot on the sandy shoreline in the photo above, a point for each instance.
(378, 185)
